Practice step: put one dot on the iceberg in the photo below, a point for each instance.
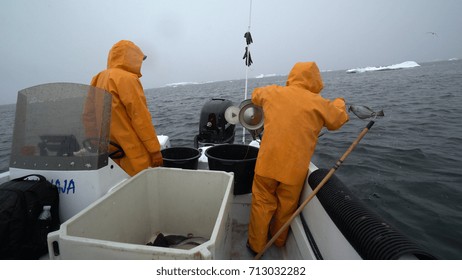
(187, 84)
(265, 76)
(181, 84)
(406, 64)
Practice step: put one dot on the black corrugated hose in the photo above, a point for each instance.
(371, 236)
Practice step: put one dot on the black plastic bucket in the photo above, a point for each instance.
(181, 157)
(236, 158)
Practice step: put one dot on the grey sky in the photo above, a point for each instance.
(203, 40)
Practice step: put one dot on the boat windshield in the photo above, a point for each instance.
(61, 126)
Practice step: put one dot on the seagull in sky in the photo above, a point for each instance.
(433, 33)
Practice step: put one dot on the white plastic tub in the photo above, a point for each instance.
(166, 200)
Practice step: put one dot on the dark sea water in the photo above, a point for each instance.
(408, 167)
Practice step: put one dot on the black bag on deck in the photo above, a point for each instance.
(22, 234)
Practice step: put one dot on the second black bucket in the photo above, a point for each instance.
(181, 157)
(236, 158)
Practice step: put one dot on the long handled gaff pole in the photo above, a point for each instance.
(316, 190)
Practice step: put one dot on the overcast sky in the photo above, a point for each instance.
(203, 40)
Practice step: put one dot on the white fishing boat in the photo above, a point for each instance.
(106, 214)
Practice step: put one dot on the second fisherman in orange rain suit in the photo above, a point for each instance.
(294, 116)
(131, 123)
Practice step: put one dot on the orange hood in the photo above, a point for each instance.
(127, 56)
(307, 76)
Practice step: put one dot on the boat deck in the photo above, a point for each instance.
(240, 213)
(239, 250)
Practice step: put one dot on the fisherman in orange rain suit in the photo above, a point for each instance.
(294, 116)
(131, 123)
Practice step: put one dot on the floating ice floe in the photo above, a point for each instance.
(407, 64)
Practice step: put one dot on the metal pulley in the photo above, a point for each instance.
(249, 115)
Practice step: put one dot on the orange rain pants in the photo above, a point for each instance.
(271, 201)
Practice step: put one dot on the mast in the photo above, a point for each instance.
(248, 60)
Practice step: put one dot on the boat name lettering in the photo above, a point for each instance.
(67, 186)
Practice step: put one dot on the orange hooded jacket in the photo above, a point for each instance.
(131, 122)
(294, 117)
